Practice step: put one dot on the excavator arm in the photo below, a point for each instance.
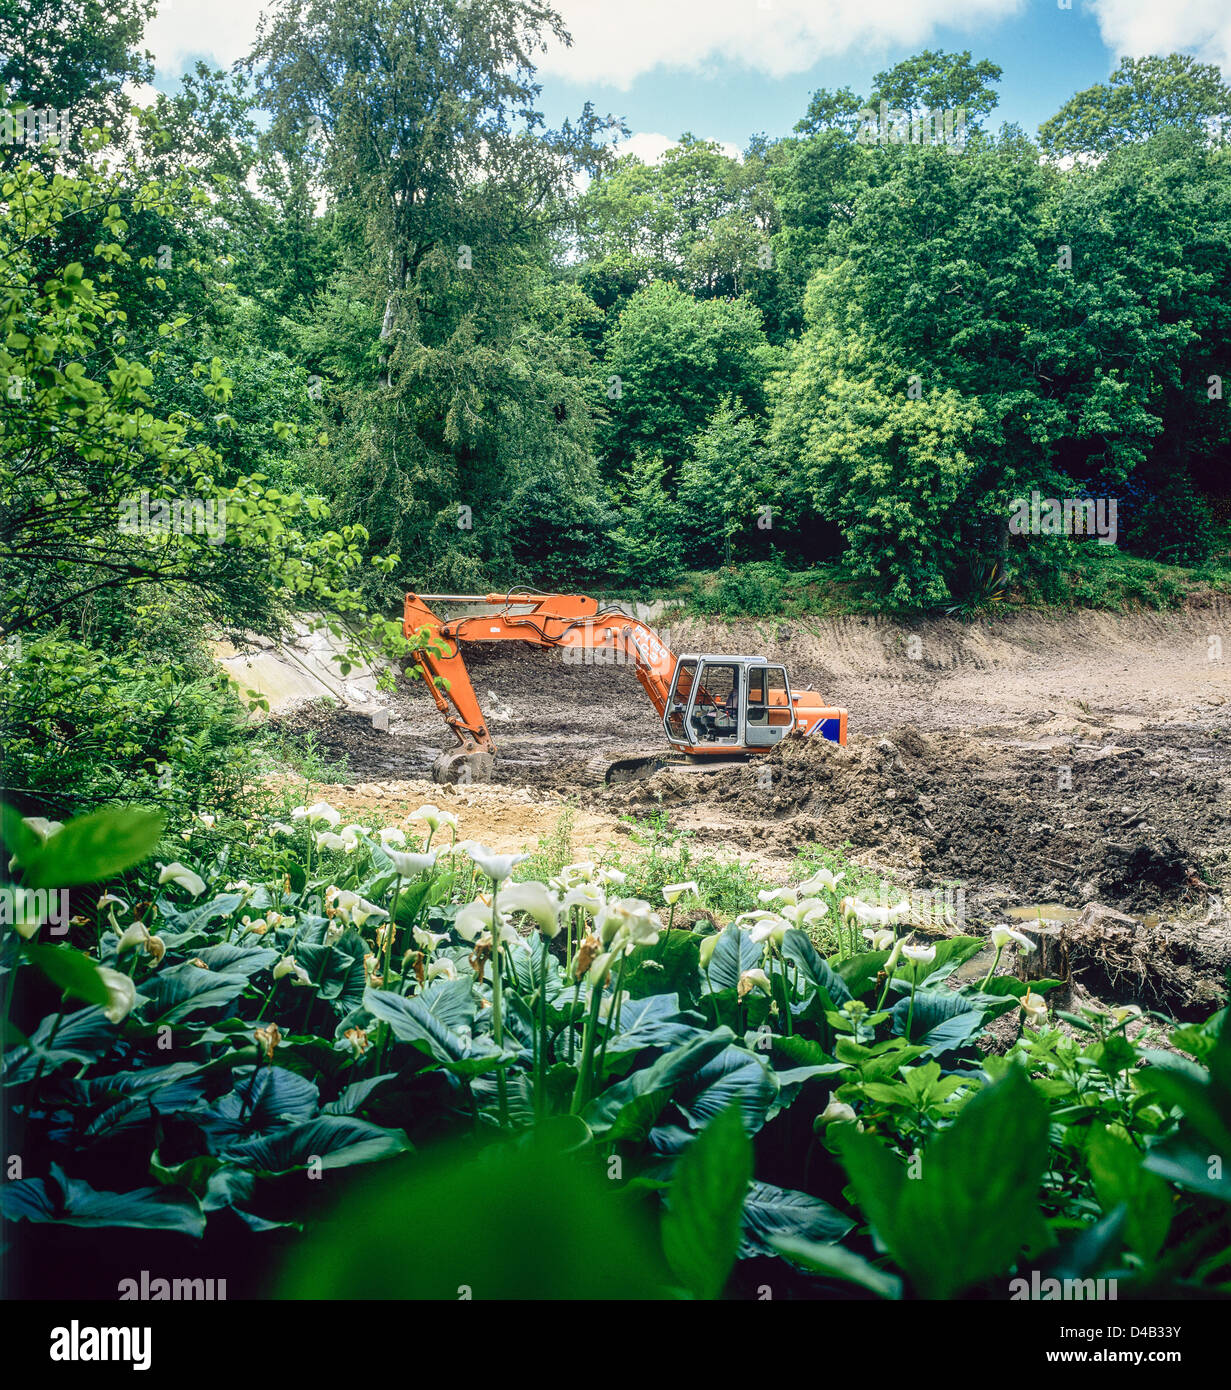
(568, 621)
(720, 686)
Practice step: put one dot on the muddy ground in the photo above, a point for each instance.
(1026, 760)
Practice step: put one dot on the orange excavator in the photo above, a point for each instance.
(714, 708)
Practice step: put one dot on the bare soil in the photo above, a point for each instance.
(1027, 759)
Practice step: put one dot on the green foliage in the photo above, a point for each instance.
(84, 727)
(676, 359)
(635, 1083)
(1142, 97)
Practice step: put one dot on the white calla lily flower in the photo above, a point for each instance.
(497, 867)
(183, 877)
(1002, 935)
(319, 813)
(43, 827)
(771, 928)
(412, 865)
(392, 838)
(673, 892)
(838, 1112)
(587, 896)
(919, 955)
(473, 919)
(537, 902)
(1034, 1006)
(121, 992)
(434, 817)
(777, 895)
(821, 881)
(428, 941)
(289, 966)
(131, 937)
(353, 908)
(872, 914)
(753, 979)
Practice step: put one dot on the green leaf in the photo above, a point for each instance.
(177, 994)
(734, 952)
(413, 1021)
(837, 1262)
(1120, 1177)
(332, 1141)
(771, 1212)
(797, 946)
(974, 1204)
(671, 967)
(651, 1087)
(70, 971)
(735, 1077)
(70, 1202)
(92, 848)
(701, 1228)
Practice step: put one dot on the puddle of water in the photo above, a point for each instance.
(1054, 912)
(1049, 912)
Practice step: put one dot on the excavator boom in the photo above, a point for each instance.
(709, 705)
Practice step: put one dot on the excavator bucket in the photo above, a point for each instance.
(460, 767)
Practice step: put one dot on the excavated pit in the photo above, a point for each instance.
(1061, 760)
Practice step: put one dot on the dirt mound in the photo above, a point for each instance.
(1054, 821)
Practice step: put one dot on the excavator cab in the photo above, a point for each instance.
(728, 702)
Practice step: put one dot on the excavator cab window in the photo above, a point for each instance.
(714, 713)
(770, 714)
(677, 703)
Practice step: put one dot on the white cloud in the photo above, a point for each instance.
(649, 146)
(615, 41)
(1137, 28)
(183, 30)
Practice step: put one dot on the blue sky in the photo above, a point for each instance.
(1046, 55)
(727, 69)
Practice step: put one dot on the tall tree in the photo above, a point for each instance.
(1142, 97)
(421, 116)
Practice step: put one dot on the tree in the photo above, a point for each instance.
(449, 374)
(1142, 97)
(74, 57)
(647, 544)
(99, 493)
(699, 219)
(673, 358)
(725, 483)
(935, 81)
(831, 111)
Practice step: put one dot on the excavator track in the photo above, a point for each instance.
(602, 770)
